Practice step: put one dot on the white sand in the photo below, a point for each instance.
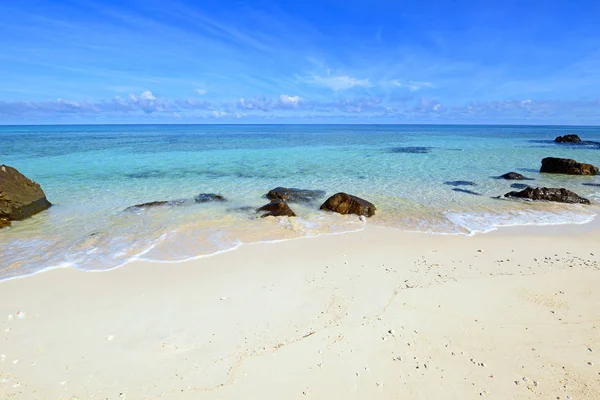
(378, 314)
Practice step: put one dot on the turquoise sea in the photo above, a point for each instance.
(92, 173)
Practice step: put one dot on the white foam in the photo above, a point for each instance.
(483, 222)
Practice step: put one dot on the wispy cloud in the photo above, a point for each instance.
(413, 86)
(339, 82)
(362, 105)
(257, 103)
(426, 105)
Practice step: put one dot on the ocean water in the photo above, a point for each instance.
(92, 173)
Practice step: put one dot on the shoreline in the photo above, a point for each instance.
(534, 229)
(312, 319)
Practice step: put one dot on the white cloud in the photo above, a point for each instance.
(267, 104)
(146, 102)
(201, 92)
(341, 82)
(147, 95)
(285, 105)
(286, 101)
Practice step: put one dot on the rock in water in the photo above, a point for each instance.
(568, 139)
(347, 204)
(207, 197)
(294, 195)
(4, 222)
(519, 186)
(152, 204)
(513, 176)
(549, 194)
(567, 166)
(411, 150)
(460, 183)
(276, 208)
(20, 197)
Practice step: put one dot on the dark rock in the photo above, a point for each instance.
(519, 186)
(276, 208)
(591, 184)
(466, 191)
(549, 194)
(4, 223)
(411, 150)
(347, 204)
(294, 195)
(20, 197)
(143, 206)
(208, 197)
(568, 139)
(460, 183)
(514, 176)
(554, 165)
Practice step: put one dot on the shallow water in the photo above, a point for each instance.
(92, 173)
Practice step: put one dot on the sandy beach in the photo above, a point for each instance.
(375, 314)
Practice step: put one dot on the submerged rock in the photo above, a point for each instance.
(591, 184)
(152, 204)
(514, 176)
(519, 186)
(411, 150)
(344, 203)
(549, 194)
(4, 222)
(294, 195)
(460, 183)
(467, 191)
(208, 197)
(568, 139)
(20, 197)
(243, 209)
(567, 166)
(276, 208)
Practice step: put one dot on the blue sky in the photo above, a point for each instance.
(533, 62)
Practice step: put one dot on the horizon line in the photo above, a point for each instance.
(296, 124)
